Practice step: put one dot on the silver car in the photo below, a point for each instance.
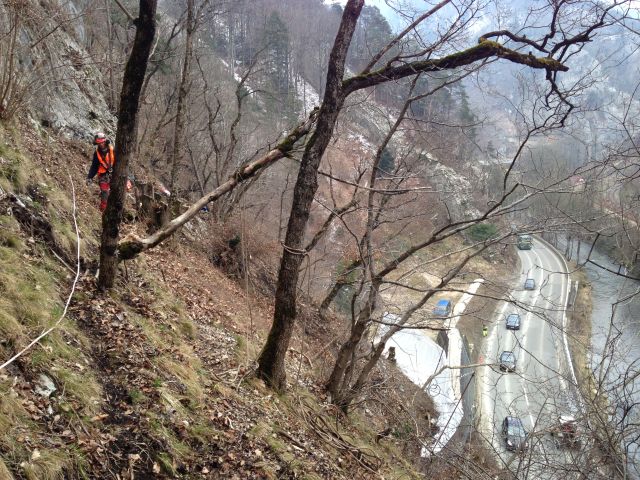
(508, 361)
(513, 321)
(514, 434)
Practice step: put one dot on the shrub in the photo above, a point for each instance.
(482, 231)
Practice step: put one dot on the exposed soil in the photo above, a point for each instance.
(579, 330)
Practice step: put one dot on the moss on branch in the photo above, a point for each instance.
(129, 248)
(485, 49)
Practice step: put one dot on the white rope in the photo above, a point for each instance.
(73, 288)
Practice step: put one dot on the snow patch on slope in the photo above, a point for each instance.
(307, 95)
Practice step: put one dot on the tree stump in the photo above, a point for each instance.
(161, 216)
(144, 199)
(152, 206)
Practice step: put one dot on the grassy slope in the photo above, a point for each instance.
(154, 378)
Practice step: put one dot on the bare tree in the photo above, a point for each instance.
(183, 91)
(557, 44)
(126, 139)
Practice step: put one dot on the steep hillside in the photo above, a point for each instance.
(153, 380)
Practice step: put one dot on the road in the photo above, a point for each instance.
(542, 386)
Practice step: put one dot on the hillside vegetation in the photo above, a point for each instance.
(154, 379)
(296, 185)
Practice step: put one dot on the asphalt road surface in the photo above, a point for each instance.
(542, 386)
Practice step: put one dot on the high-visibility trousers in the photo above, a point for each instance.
(104, 181)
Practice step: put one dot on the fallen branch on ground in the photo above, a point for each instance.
(330, 435)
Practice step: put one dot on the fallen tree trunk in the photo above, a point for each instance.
(132, 245)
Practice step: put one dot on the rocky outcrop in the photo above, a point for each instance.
(56, 80)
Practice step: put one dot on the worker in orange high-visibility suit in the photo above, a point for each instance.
(102, 164)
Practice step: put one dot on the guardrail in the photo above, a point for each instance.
(565, 342)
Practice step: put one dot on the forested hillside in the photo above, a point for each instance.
(276, 238)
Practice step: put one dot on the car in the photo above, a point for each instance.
(513, 321)
(525, 242)
(529, 284)
(508, 361)
(514, 434)
(566, 432)
(442, 308)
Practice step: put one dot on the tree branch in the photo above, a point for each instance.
(485, 49)
(131, 246)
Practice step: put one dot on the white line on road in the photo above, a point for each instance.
(564, 323)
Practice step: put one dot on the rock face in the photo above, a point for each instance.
(57, 81)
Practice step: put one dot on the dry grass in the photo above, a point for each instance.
(14, 168)
(49, 465)
(14, 421)
(31, 289)
(186, 372)
(28, 295)
(5, 474)
(29, 302)
(579, 331)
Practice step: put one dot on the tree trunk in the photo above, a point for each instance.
(112, 82)
(347, 395)
(183, 91)
(336, 383)
(271, 363)
(125, 139)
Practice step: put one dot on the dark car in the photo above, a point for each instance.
(514, 434)
(513, 321)
(442, 308)
(525, 242)
(529, 284)
(508, 361)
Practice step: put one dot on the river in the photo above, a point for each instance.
(615, 343)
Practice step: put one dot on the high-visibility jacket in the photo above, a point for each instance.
(106, 162)
(101, 163)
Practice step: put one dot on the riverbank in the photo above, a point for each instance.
(579, 329)
(595, 333)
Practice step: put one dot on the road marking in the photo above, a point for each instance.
(539, 277)
(547, 307)
(497, 390)
(564, 293)
(567, 353)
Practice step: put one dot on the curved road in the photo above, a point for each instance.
(542, 386)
